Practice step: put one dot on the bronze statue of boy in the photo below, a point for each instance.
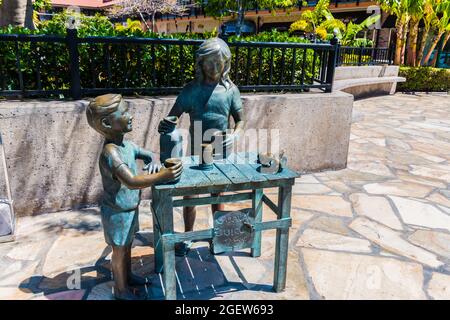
(210, 99)
(108, 114)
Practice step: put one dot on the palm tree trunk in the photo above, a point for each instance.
(153, 21)
(441, 47)
(12, 12)
(433, 45)
(17, 13)
(29, 23)
(412, 42)
(240, 19)
(143, 20)
(399, 43)
(446, 40)
(423, 43)
(404, 40)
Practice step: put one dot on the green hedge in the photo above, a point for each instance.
(282, 70)
(51, 60)
(424, 79)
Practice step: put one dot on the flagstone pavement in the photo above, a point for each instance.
(379, 229)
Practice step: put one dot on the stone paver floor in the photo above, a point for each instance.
(379, 229)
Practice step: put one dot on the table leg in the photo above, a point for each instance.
(157, 244)
(257, 204)
(282, 239)
(169, 279)
(162, 203)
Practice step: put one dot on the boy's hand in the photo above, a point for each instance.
(170, 174)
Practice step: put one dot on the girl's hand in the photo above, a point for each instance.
(153, 167)
(163, 127)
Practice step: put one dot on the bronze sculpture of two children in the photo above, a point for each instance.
(210, 99)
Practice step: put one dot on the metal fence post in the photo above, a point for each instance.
(391, 53)
(74, 63)
(373, 56)
(331, 65)
(360, 56)
(338, 57)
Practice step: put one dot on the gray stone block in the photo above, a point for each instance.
(6, 227)
(52, 153)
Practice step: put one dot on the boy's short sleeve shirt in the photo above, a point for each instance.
(117, 196)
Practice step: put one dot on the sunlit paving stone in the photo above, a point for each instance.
(333, 205)
(371, 167)
(18, 273)
(310, 188)
(405, 176)
(397, 144)
(434, 241)
(307, 178)
(376, 208)
(339, 186)
(337, 275)
(435, 172)
(439, 286)
(392, 241)
(330, 224)
(377, 141)
(421, 214)
(398, 188)
(330, 241)
(83, 249)
(25, 251)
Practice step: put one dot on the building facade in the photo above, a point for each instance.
(197, 21)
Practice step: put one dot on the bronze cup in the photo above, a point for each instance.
(168, 163)
(206, 158)
(220, 151)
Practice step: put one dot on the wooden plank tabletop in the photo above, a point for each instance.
(237, 169)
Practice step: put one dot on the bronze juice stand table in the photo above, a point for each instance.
(239, 172)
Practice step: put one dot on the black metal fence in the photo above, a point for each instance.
(360, 56)
(70, 66)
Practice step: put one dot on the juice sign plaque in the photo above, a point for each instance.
(233, 230)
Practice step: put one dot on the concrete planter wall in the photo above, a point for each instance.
(366, 81)
(52, 153)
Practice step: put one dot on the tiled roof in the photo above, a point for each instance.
(84, 3)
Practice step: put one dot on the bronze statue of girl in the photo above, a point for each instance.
(210, 99)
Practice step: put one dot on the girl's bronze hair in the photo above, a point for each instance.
(214, 46)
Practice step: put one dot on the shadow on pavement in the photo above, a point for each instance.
(199, 276)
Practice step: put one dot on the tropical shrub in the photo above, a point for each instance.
(284, 67)
(425, 79)
(321, 22)
(46, 65)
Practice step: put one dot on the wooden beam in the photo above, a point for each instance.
(212, 200)
(270, 204)
(188, 236)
